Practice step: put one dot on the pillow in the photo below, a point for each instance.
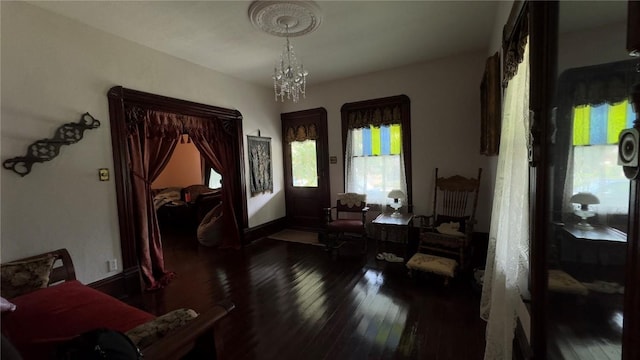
(150, 332)
(25, 276)
(447, 219)
(450, 228)
(6, 305)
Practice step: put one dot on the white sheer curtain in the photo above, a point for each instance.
(506, 270)
(375, 176)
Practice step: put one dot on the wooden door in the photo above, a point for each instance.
(306, 167)
(599, 315)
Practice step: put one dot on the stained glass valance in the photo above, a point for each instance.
(601, 124)
(377, 140)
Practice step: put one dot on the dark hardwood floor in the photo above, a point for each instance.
(292, 302)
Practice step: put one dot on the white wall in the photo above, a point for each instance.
(445, 121)
(600, 45)
(55, 69)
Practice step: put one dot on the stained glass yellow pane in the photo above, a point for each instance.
(617, 121)
(581, 116)
(375, 140)
(396, 139)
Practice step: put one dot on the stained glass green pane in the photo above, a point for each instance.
(304, 167)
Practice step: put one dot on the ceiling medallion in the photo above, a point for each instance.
(272, 17)
(287, 19)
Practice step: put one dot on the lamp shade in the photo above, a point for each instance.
(396, 194)
(584, 198)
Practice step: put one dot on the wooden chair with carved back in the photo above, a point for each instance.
(448, 230)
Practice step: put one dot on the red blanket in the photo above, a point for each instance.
(47, 317)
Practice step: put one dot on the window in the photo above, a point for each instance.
(595, 154)
(215, 179)
(304, 163)
(377, 148)
(375, 164)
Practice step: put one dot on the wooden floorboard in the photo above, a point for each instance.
(294, 302)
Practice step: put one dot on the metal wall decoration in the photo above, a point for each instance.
(47, 149)
(261, 175)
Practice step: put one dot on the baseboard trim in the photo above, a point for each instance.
(263, 230)
(122, 285)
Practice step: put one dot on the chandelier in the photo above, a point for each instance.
(290, 77)
(287, 19)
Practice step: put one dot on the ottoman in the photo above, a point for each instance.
(433, 264)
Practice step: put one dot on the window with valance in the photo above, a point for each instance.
(375, 136)
(304, 166)
(593, 107)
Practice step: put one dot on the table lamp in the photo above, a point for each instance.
(397, 197)
(584, 199)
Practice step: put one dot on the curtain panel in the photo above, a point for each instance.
(215, 145)
(151, 140)
(507, 263)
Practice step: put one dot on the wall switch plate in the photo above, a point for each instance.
(112, 264)
(103, 174)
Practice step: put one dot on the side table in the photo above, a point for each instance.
(398, 225)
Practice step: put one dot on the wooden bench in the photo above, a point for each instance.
(62, 308)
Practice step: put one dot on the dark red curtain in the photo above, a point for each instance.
(151, 139)
(217, 148)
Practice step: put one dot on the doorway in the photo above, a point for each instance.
(306, 167)
(135, 209)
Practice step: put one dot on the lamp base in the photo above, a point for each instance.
(584, 215)
(583, 225)
(396, 214)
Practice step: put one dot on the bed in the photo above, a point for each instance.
(185, 206)
(55, 307)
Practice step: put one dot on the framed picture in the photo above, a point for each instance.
(491, 104)
(260, 172)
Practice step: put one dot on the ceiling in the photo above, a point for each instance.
(354, 38)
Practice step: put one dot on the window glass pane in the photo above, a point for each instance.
(304, 166)
(375, 176)
(376, 165)
(596, 171)
(215, 180)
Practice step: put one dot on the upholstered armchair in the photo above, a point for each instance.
(346, 221)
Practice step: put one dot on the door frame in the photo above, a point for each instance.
(322, 154)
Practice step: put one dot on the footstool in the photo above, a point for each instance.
(561, 282)
(433, 264)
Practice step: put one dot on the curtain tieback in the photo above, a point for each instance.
(137, 174)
